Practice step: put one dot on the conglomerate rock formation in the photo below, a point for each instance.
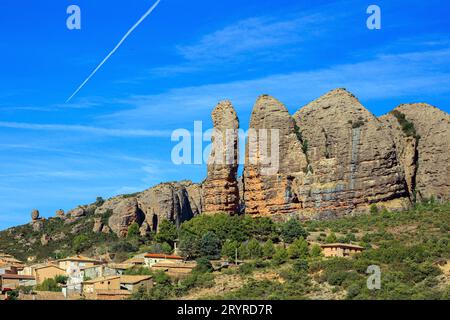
(352, 155)
(220, 189)
(273, 158)
(422, 138)
(331, 158)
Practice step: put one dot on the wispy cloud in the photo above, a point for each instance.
(382, 77)
(87, 129)
(249, 35)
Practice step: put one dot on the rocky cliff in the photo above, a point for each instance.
(352, 156)
(220, 189)
(273, 158)
(422, 137)
(331, 158)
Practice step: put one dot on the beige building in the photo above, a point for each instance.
(340, 249)
(13, 281)
(175, 268)
(114, 286)
(133, 283)
(102, 283)
(77, 262)
(49, 271)
(153, 258)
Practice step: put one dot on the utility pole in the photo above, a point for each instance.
(236, 257)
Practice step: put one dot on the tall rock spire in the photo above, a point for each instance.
(220, 189)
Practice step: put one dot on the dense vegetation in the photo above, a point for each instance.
(409, 247)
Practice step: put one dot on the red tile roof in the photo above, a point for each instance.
(162, 256)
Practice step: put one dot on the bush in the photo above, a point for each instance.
(268, 249)
(167, 232)
(280, 256)
(298, 249)
(254, 249)
(291, 230)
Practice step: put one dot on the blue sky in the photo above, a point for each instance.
(114, 136)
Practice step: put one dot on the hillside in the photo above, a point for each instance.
(336, 160)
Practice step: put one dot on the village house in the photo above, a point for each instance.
(151, 259)
(78, 262)
(133, 283)
(50, 271)
(175, 268)
(340, 249)
(115, 287)
(102, 283)
(13, 281)
(135, 261)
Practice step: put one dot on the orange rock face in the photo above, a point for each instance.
(220, 189)
(273, 157)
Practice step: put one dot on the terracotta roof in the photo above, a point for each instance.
(133, 279)
(341, 245)
(162, 256)
(16, 276)
(100, 279)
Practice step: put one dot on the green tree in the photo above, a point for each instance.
(210, 245)
(291, 230)
(190, 244)
(229, 249)
(133, 231)
(280, 256)
(167, 232)
(298, 249)
(80, 243)
(316, 251)
(203, 266)
(300, 265)
(331, 238)
(268, 249)
(243, 251)
(49, 285)
(254, 249)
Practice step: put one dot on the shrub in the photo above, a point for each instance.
(167, 232)
(291, 230)
(268, 249)
(280, 256)
(254, 249)
(298, 249)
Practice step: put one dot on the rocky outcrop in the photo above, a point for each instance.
(38, 225)
(98, 225)
(169, 201)
(34, 215)
(124, 211)
(220, 189)
(352, 156)
(77, 212)
(60, 214)
(273, 157)
(144, 229)
(422, 136)
(45, 239)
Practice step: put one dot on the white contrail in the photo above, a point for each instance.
(115, 49)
